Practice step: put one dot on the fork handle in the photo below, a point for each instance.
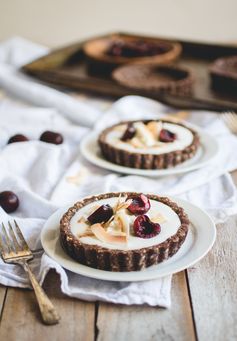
(48, 311)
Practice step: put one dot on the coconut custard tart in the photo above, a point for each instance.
(123, 231)
(148, 144)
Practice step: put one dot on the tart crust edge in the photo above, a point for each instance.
(147, 161)
(183, 87)
(121, 260)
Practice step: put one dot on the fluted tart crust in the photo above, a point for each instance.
(133, 159)
(104, 258)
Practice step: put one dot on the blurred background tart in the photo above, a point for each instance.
(175, 80)
(115, 50)
(148, 144)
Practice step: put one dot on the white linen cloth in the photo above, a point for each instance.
(17, 52)
(40, 174)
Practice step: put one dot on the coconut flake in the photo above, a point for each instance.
(123, 221)
(155, 128)
(79, 177)
(136, 143)
(158, 219)
(144, 134)
(103, 236)
(122, 204)
(81, 220)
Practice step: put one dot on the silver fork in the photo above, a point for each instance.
(14, 249)
(230, 119)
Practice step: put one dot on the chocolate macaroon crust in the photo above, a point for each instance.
(121, 260)
(147, 161)
(154, 79)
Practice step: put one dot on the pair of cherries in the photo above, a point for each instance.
(143, 226)
(164, 136)
(8, 199)
(47, 136)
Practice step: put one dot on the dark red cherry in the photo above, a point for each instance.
(51, 137)
(138, 48)
(101, 215)
(167, 136)
(9, 201)
(140, 205)
(144, 228)
(129, 132)
(17, 138)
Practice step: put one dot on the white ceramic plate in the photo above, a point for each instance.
(206, 153)
(198, 242)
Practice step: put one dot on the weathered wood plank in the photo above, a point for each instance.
(117, 322)
(21, 317)
(213, 287)
(2, 296)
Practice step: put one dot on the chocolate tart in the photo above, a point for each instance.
(129, 258)
(155, 79)
(166, 156)
(224, 74)
(157, 51)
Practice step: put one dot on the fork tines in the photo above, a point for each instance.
(12, 241)
(230, 119)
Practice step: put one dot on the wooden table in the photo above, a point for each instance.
(204, 306)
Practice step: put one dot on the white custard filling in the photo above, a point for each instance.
(168, 228)
(184, 138)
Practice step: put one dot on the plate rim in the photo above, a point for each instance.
(93, 158)
(134, 276)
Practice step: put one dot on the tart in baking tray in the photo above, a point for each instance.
(123, 231)
(154, 79)
(148, 144)
(118, 49)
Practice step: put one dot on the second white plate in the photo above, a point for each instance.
(206, 153)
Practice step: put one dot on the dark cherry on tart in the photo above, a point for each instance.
(123, 231)
(129, 133)
(140, 204)
(167, 136)
(144, 228)
(148, 144)
(136, 48)
(100, 215)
